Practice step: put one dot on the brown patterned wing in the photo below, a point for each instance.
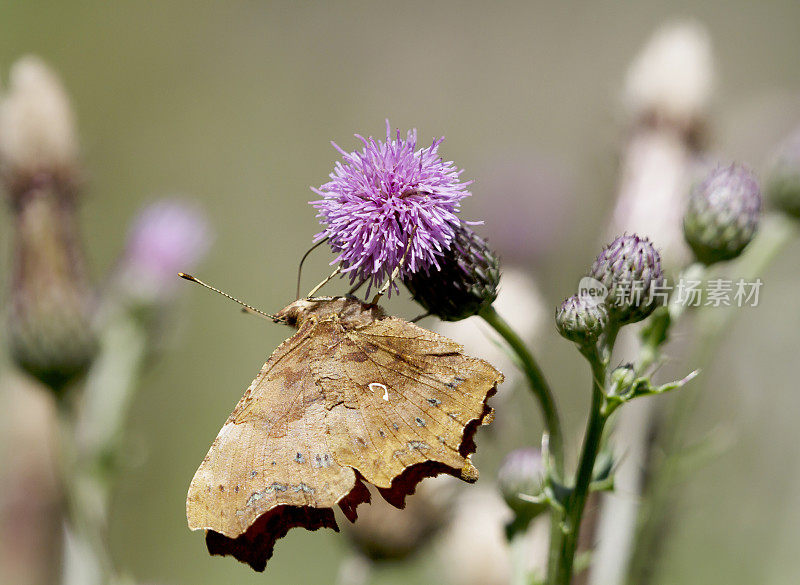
(271, 467)
(404, 403)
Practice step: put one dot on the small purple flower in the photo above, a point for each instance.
(167, 236)
(383, 195)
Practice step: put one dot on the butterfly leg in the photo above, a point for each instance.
(333, 274)
(386, 285)
(396, 271)
(420, 317)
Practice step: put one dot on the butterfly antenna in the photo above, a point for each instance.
(314, 290)
(245, 307)
(396, 271)
(303, 259)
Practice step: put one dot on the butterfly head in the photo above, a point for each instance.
(348, 310)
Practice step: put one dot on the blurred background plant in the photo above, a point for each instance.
(84, 351)
(236, 104)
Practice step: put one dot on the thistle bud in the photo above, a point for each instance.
(581, 319)
(522, 472)
(783, 179)
(621, 379)
(50, 329)
(630, 270)
(466, 281)
(384, 532)
(723, 213)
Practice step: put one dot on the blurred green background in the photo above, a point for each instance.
(234, 104)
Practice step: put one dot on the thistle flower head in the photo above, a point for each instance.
(630, 270)
(723, 213)
(783, 179)
(466, 281)
(581, 320)
(167, 236)
(382, 197)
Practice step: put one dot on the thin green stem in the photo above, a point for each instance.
(87, 557)
(608, 341)
(774, 235)
(591, 447)
(537, 382)
(556, 540)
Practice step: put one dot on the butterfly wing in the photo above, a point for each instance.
(384, 401)
(403, 403)
(271, 467)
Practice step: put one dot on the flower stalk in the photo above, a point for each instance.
(776, 233)
(536, 382)
(576, 503)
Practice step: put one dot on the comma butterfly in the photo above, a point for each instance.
(353, 397)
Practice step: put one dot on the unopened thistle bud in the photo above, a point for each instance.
(621, 379)
(384, 532)
(50, 331)
(783, 180)
(465, 282)
(581, 319)
(723, 213)
(630, 270)
(522, 472)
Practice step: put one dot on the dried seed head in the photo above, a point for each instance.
(38, 139)
(50, 330)
(723, 213)
(672, 78)
(466, 281)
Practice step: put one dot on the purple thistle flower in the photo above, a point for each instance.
(383, 195)
(167, 236)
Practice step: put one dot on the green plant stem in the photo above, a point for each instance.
(591, 447)
(91, 442)
(776, 233)
(86, 557)
(536, 381)
(556, 541)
